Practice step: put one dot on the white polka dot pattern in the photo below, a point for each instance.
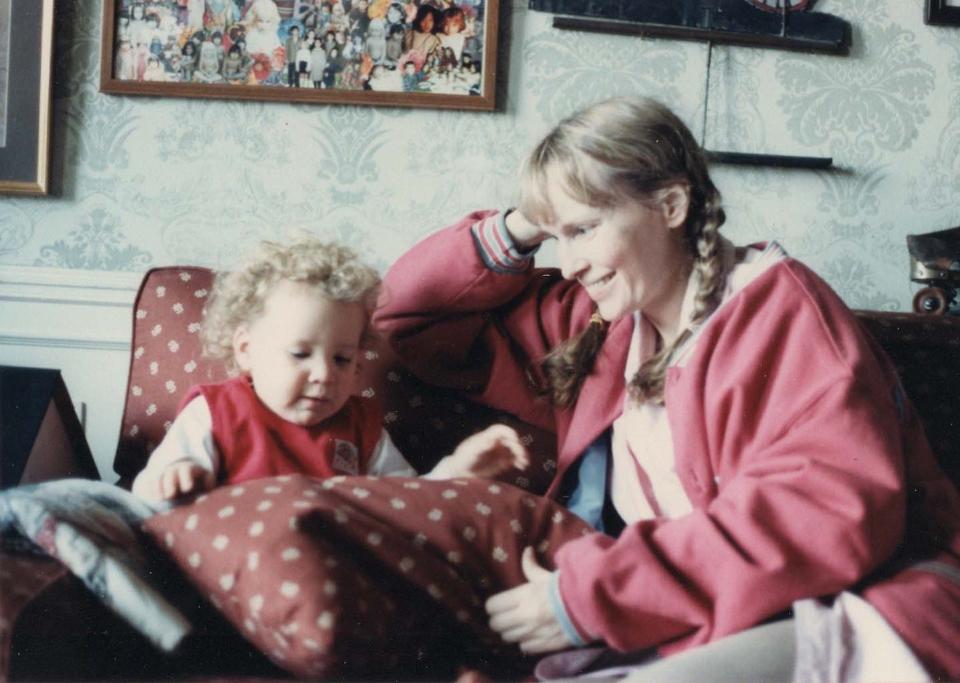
(425, 423)
(165, 362)
(358, 544)
(278, 588)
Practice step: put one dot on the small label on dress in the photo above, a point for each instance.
(346, 457)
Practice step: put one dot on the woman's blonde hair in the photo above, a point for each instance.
(627, 148)
(239, 295)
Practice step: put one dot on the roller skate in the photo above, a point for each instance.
(935, 263)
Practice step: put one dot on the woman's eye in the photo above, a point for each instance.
(581, 230)
(342, 361)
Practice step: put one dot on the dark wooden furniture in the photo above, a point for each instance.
(41, 437)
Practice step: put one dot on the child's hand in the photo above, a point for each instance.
(485, 454)
(184, 478)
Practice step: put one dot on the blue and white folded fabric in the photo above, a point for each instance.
(92, 528)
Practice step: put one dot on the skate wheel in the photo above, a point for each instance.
(930, 300)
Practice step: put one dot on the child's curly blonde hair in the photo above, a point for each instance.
(238, 296)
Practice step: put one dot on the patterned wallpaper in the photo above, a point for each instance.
(149, 181)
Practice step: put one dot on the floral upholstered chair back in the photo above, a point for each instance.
(165, 360)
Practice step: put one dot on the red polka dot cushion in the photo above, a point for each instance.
(362, 576)
(166, 359)
(294, 597)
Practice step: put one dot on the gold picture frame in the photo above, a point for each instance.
(405, 53)
(26, 62)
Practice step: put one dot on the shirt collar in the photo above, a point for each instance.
(740, 269)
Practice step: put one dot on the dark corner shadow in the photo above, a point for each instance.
(503, 55)
(63, 87)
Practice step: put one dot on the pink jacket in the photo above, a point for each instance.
(805, 465)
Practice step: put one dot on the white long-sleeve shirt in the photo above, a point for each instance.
(190, 440)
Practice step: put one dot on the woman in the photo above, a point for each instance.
(738, 443)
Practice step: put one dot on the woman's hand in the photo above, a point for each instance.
(485, 454)
(523, 615)
(526, 235)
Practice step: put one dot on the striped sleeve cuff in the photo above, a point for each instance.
(560, 612)
(496, 248)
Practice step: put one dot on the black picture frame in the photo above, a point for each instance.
(28, 60)
(942, 12)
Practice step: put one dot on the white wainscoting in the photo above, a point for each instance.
(78, 321)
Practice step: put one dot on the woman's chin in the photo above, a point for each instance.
(612, 310)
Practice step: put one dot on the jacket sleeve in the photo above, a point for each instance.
(790, 426)
(462, 313)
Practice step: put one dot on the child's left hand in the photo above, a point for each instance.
(485, 454)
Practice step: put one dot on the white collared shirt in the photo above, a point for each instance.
(643, 480)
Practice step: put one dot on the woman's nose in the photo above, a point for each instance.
(571, 264)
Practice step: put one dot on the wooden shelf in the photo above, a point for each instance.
(834, 42)
(678, 32)
(775, 160)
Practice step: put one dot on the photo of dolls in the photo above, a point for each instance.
(432, 46)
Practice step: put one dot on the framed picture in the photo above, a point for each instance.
(409, 53)
(26, 57)
(943, 12)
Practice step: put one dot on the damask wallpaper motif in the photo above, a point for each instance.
(149, 181)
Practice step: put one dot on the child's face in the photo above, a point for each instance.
(452, 25)
(302, 353)
(426, 24)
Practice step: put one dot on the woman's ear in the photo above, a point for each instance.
(241, 348)
(675, 203)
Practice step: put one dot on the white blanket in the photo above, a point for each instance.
(91, 527)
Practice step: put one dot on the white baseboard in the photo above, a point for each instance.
(64, 308)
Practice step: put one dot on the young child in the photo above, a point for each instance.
(294, 321)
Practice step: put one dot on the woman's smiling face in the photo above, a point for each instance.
(628, 257)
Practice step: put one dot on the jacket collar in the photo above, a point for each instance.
(601, 396)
